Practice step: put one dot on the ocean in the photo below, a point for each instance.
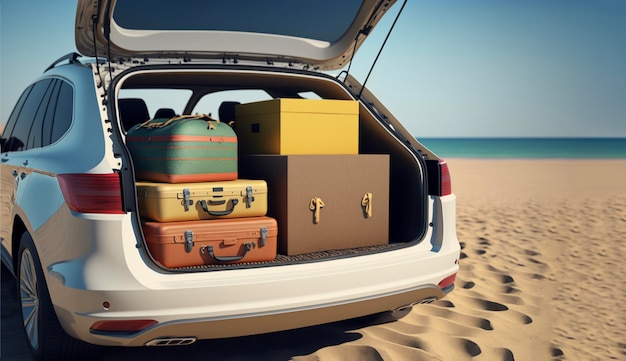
(570, 148)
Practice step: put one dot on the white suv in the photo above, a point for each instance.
(70, 227)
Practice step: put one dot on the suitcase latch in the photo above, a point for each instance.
(188, 241)
(366, 203)
(187, 201)
(249, 197)
(264, 233)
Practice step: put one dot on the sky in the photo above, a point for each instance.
(451, 68)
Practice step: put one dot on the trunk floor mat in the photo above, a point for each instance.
(300, 258)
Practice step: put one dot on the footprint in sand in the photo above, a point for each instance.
(504, 354)
(491, 268)
(470, 347)
(507, 288)
(467, 320)
(450, 325)
(518, 317)
(557, 353)
(445, 303)
(505, 284)
(512, 315)
(510, 299)
(347, 352)
(475, 300)
(393, 336)
(484, 241)
(490, 305)
(458, 347)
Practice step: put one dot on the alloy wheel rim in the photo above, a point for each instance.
(29, 298)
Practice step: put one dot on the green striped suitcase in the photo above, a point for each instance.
(189, 148)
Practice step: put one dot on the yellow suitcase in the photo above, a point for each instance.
(171, 202)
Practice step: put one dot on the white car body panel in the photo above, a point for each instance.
(117, 274)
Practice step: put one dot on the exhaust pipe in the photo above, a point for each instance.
(410, 305)
(171, 341)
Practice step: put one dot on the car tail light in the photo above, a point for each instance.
(122, 325)
(446, 181)
(92, 193)
(439, 181)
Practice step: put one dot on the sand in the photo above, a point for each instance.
(541, 275)
(540, 278)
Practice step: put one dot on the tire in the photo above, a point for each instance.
(45, 337)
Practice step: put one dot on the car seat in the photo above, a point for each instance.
(132, 111)
(226, 112)
(166, 113)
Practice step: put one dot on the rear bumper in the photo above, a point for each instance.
(117, 285)
(258, 323)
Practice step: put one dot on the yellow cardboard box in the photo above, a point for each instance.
(298, 126)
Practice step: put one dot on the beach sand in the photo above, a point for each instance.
(541, 275)
(540, 278)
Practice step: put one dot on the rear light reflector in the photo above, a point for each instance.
(122, 325)
(92, 193)
(447, 282)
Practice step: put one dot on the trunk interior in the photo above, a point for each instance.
(205, 89)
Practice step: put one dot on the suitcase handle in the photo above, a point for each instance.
(226, 212)
(205, 117)
(226, 259)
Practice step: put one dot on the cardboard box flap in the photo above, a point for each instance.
(288, 105)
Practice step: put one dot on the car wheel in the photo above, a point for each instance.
(46, 338)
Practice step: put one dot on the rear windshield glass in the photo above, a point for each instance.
(325, 20)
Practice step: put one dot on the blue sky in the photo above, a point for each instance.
(482, 68)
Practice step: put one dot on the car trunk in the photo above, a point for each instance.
(406, 209)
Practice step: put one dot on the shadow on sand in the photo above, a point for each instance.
(274, 346)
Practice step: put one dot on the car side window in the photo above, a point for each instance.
(46, 128)
(23, 124)
(36, 129)
(10, 125)
(63, 113)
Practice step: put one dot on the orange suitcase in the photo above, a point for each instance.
(215, 241)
